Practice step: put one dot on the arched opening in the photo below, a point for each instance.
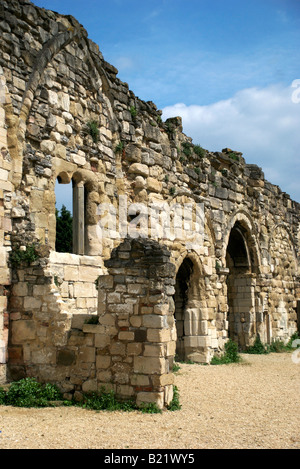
(71, 200)
(181, 298)
(240, 288)
(64, 215)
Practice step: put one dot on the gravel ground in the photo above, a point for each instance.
(250, 405)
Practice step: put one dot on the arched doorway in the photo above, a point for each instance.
(191, 316)
(240, 288)
(181, 297)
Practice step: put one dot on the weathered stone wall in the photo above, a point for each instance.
(65, 116)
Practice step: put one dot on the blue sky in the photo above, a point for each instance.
(227, 67)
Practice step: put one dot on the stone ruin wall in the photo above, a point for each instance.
(243, 279)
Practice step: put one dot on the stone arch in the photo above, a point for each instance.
(17, 126)
(85, 199)
(191, 323)
(243, 264)
(246, 224)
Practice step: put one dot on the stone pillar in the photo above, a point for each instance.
(136, 340)
(78, 218)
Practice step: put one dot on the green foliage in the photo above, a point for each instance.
(199, 151)
(289, 345)
(2, 396)
(277, 346)
(231, 355)
(172, 190)
(64, 230)
(133, 112)
(197, 170)
(150, 408)
(258, 348)
(233, 156)
(176, 367)
(120, 147)
(29, 393)
(18, 257)
(105, 400)
(186, 148)
(94, 132)
(174, 404)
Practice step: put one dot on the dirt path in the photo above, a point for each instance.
(249, 405)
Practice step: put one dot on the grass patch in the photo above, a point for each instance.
(93, 129)
(28, 392)
(231, 355)
(277, 346)
(199, 151)
(174, 404)
(19, 257)
(258, 348)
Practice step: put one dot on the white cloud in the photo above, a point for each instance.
(264, 124)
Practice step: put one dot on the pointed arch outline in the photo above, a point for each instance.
(244, 219)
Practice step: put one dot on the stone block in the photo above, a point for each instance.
(31, 303)
(89, 386)
(121, 308)
(150, 398)
(101, 341)
(154, 350)
(154, 185)
(154, 321)
(93, 329)
(86, 355)
(84, 290)
(23, 331)
(125, 390)
(104, 376)
(65, 357)
(88, 273)
(158, 335)
(107, 320)
(148, 365)
(126, 335)
(64, 258)
(134, 349)
(71, 273)
(118, 348)
(163, 380)
(140, 169)
(103, 362)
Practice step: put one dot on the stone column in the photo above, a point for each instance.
(78, 218)
(136, 335)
